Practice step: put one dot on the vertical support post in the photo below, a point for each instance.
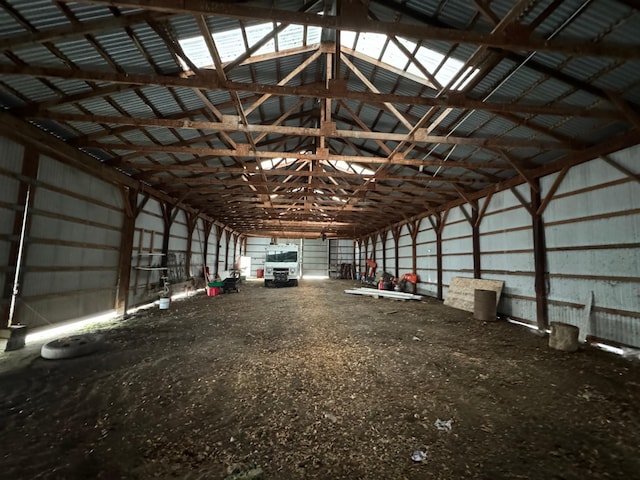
(218, 240)
(227, 236)
(413, 231)
(131, 211)
(438, 226)
(205, 250)
(374, 239)
(539, 258)
(383, 242)
(126, 249)
(192, 222)
(474, 221)
(167, 220)
(236, 250)
(366, 248)
(396, 248)
(475, 238)
(19, 235)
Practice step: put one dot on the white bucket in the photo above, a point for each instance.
(164, 303)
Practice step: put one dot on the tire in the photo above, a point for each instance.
(267, 283)
(70, 347)
(294, 282)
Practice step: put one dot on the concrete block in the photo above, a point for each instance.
(564, 337)
(13, 337)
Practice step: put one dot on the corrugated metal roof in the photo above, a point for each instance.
(549, 80)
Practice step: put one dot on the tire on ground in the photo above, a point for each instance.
(70, 347)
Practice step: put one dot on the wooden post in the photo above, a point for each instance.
(131, 211)
(383, 242)
(475, 240)
(167, 220)
(396, 248)
(413, 231)
(366, 249)
(218, 239)
(192, 222)
(539, 258)
(205, 253)
(227, 236)
(236, 249)
(438, 226)
(474, 221)
(24, 201)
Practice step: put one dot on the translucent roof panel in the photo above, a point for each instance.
(378, 47)
(230, 43)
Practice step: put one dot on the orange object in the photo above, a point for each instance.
(411, 277)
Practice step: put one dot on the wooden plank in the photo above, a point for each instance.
(383, 293)
(460, 294)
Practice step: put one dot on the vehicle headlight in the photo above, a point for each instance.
(292, 270)
(269, 270)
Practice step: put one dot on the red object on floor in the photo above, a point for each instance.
(213, 291)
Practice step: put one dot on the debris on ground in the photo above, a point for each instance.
(419, 456)
(241, 471)
(443, 425)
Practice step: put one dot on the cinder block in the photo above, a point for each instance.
(13, 337)
(563, 337)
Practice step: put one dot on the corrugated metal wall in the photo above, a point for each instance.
(457, 248)
(11, 154)
(178, 244)
(405, 255)
(506, 243)
(198, 242)
(340, 251)
(315, 258)
(223, 264)
(426, 258)
(256, 248)
(146, 259)
(593, 235)
(592, 229)
(390, 253)
(378, 254)
(211, 251)
(73, 246)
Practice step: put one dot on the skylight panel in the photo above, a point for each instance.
(347, 167)
(370, 44)
(290, 37)
(347, 39)
(394, 57)
(272, 163)
(255, 33)
(314, 35)
(230, 44)
(196, 49)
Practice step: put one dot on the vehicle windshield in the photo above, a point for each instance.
(280, 257)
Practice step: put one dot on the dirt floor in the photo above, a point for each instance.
(313, 383)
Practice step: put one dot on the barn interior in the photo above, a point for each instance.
(150, 151)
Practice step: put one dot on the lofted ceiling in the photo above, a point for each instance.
(296, 118)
